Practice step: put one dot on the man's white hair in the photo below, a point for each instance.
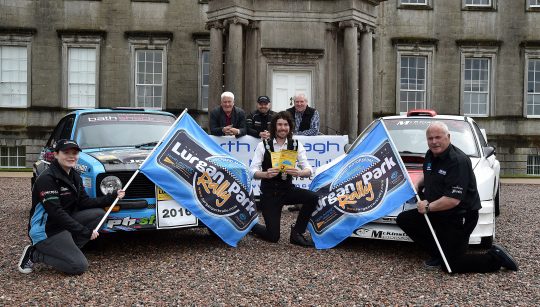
(439, 124)
(301, 95)
(227, 94)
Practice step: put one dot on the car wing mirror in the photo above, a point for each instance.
(489, 151)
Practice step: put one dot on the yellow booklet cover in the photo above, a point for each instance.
(284, 159)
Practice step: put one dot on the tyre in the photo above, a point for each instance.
(486, 242)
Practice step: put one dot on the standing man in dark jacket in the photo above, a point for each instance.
(63, 216)
(452, 203)
(259, 120)
(306, 119)
(227, 119)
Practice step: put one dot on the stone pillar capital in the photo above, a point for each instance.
(368, 29)
(236, 21)
(350, 24)
(216, 24)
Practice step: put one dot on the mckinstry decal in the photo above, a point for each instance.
(220, 189)
(360, 187)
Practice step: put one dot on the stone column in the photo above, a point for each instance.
(234, 64)
(216, 64)
(366, 77)
(350, 74)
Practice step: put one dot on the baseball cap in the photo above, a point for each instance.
(63, 144)
(263, 99)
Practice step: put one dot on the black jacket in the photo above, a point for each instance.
(258, 122)
(56, 195)
(305, 124)
(217, 121)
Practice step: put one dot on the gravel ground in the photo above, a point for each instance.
(189, 267)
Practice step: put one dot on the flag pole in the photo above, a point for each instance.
(138, 170)
(418, 200)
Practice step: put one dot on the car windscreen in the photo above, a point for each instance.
(409, 135)
(121, 129)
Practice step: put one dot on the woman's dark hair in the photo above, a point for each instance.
(273, 123)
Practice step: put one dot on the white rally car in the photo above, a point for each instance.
(409, 135)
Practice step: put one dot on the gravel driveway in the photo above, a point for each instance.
(190, 267)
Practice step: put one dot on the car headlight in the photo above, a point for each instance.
(110, 184)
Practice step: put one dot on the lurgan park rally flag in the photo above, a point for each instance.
(369, 183)
(205, 179)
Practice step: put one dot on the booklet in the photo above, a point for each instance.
(284, 159)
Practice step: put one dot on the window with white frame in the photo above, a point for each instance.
(479, 5)
(80, 71)
(82, 77)
(478, 2)
(415, 4)
(533, 5)
(533, 165)
(149, 72)
(477, 80)
(532, 83)
(12, 156)
(14, 78)
(413, 77)
(204, 77)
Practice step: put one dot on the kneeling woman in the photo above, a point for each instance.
(63, 216)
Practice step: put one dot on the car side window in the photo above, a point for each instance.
(66, 131)
(62, 131)
(483, 141)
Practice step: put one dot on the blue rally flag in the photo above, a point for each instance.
(368, 183)
(205, 179)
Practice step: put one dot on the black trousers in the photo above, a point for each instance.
(453, 232)
(272, 202)
(62, 251)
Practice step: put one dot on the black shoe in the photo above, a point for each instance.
(294, 208)
(299, 239)
(503, 257)
(258, 230)
(433, 263)
(25, 263)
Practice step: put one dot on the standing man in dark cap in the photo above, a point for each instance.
(259, 120)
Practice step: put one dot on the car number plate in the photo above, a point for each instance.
(170, 214)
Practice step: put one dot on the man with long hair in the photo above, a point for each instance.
(277, 188)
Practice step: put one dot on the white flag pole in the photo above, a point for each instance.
(418, 200)
(138, 170)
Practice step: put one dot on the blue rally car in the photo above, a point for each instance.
(114, 143)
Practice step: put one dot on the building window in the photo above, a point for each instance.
(149, 86)
(415, 4)
(204, 78)
(477, 79)
(476, 86)
(532, 83)
(12, 157)
(533, 165)
(479, 4)
(149, 78)
(14, 76)
(80, 70)
(413, 86)
(412, 90)
(533, 5)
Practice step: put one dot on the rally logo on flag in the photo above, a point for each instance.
(367, 184)
(204, 179)
(221, 190)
